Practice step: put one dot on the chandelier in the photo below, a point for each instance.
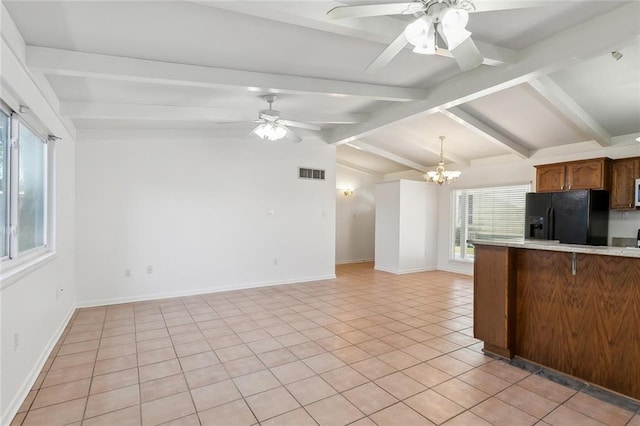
(440, 175)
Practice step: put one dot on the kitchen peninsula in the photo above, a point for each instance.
(572, 308)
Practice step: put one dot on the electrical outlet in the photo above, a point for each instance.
(149, 269)
(16, 340)
(59, 293)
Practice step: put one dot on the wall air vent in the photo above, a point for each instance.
(304, 173)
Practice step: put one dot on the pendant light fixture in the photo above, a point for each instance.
(440, 175)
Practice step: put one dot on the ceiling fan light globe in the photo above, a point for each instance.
(270, 131)
(421, 34)
(456, 19)
(453, 37)
(280, 132)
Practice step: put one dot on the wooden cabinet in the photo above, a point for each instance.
(494, 299)
(583, 174)
(589, 174)
(623, 175)
(550, 177)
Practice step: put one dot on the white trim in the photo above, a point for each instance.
(31, 378)
(456, 270)
(105, 110)
(22, 267)
(349, 262)
(195, 292)
(405, 271)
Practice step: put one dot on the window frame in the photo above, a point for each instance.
(460, 199)
(7, 172)
(16, 264)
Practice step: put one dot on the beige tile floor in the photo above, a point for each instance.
(368, 348)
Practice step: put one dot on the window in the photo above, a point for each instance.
(31, 190)
(23, 189)
(486, 213)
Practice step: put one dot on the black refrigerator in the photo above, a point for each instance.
(571, 217)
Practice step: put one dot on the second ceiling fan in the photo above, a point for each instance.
(272, 127)
(438, 21)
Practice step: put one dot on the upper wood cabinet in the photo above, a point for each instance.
(583, 174)
(623, 175)
(550, 177)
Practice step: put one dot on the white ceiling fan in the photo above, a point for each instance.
(272, 127)
(437, 21)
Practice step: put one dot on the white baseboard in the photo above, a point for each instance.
(348, 262)
(405, 271)
(31, 378)
(195, 292)
(453, 269)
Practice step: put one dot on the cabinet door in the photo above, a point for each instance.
(550, 177)
(587, 175)
(494, 299)
(607, 340)
(586, 325)
(623, 174)
(543, 335)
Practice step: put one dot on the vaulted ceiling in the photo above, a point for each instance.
(549, 78)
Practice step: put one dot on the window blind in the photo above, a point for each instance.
(486, 213)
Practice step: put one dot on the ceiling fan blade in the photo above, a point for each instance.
(467, 55)
(491, 5)
(388, 54)
(341, 12)
(293, 137)
(223, 123)
(252, 132)
(299, 124)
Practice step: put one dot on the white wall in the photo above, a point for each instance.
(624, 224)
(387, 226)
(405, 226)
(355, 216)
(418, 226)
(206, 214)
(29, 305)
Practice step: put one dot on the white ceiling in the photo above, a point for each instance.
(189, 65)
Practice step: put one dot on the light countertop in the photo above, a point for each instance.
(556, 246)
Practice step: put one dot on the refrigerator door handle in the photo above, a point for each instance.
(550, 220)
